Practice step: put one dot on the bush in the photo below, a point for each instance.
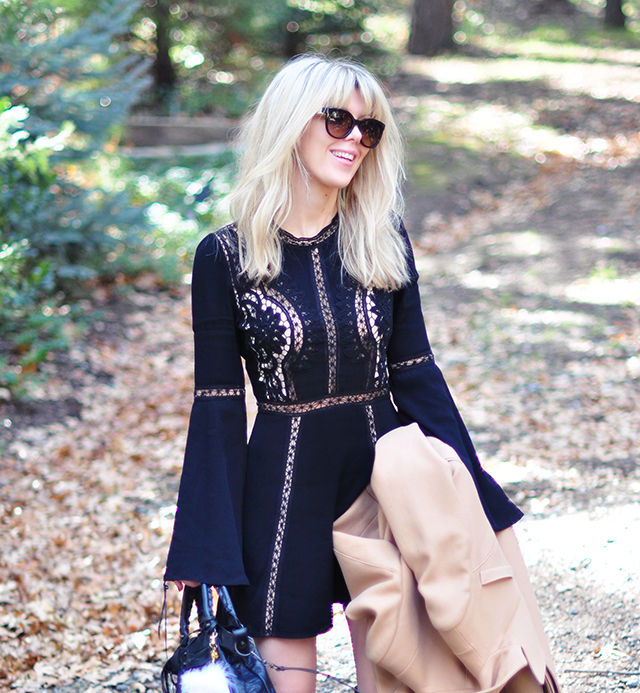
(70, 84)
(31, 324)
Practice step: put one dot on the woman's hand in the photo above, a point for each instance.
(180, 584)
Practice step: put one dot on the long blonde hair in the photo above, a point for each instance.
(370, 247)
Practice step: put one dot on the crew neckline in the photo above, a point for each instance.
(322, 235)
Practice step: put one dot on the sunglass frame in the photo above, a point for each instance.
(361, 124)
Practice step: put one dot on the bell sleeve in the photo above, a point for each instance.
(421, 395)
(206, 545)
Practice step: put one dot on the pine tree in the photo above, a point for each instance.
(66, 82)
(68, 69)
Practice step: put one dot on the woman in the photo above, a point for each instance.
(315, 287)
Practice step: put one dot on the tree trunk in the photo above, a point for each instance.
(164, 74)
(613, 14)
(431, 26)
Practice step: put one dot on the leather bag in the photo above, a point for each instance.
(220, 656)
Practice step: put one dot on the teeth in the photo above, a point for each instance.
(344, 155)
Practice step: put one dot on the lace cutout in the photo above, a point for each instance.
(215, 392)
(374, 318)
(323, 403)
(282, 524)
(401, 365)
(270, 330)
(329, 322)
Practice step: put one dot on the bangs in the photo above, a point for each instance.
(356, 79)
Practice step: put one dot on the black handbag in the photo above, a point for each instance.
(220, 656)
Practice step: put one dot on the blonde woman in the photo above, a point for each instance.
(314, 287)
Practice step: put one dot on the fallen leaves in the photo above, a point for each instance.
(86, 515)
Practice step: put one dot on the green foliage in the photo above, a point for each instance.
(31, 324)
(70, 85)
(183, 202)
(220, 53)
(70, 68)
(69, 72)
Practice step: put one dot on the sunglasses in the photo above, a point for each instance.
(340, 123)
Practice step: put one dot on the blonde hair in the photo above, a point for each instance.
(371, 248)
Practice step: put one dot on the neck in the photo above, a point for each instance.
(313, 208)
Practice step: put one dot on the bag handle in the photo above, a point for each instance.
(232, 635)
(201, 595)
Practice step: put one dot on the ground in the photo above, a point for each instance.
(524, 211)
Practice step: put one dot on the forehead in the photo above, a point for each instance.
(355, 102)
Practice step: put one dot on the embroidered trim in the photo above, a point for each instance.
(329, 322)
(213, 392)
(314, 405)
(411, 362)
(314, 240)
(372, 424)
(282, 524)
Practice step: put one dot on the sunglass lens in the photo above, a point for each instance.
(371, 132)
(339, 122)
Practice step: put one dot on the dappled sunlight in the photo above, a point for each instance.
(606, 291)
(528, 127)
(569, 52)
(613, 81)
(492, 126)
(600, 547)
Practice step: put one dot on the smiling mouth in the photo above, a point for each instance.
(345, 156)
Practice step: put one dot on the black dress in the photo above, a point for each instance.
(325, 357)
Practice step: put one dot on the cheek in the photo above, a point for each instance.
(366, 153)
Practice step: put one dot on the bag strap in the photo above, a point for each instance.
(278, 667)
(201, 595)
(232, 635)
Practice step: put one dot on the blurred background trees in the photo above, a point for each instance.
(201, 48)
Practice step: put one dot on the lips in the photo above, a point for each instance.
(349, 157)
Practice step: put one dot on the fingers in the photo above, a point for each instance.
(180, 584)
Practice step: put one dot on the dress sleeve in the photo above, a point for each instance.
(422, 396)
(206, 545)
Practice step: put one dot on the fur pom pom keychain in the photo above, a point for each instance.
(216, 677)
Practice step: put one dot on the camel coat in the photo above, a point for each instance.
(447, 603)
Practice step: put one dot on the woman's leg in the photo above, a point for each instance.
(290, 653)
(364, 668)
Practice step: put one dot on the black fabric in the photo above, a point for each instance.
(324, 357)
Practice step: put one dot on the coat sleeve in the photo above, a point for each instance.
(206, 545)
(421, 395)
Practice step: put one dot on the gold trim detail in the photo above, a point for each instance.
(411, 362)
(213, 392)
(323, 403)
(314, 240)
(269, 612)
(372, 424)
(329, 322)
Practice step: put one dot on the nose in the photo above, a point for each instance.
(355, 134)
